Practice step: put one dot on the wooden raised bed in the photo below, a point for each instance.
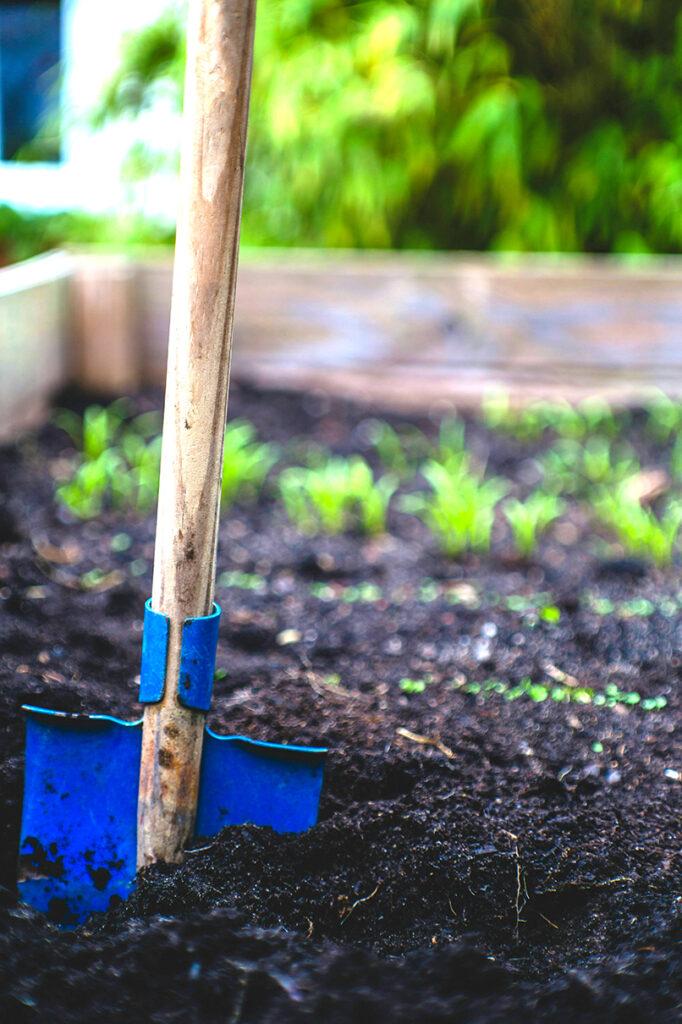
(398, 329)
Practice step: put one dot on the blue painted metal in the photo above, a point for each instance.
(246, 781)
(78, 833)
(197, 658)
(154, 654)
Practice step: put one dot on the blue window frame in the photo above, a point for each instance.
(30, 52)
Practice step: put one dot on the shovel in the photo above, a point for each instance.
(103, 798)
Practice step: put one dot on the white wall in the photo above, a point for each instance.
(89, 176)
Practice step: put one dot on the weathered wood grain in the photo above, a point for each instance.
(220, 41)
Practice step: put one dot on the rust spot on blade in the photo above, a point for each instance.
(36, 862)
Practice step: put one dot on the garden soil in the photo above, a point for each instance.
(476, 859)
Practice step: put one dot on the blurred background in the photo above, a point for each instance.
(528, 126)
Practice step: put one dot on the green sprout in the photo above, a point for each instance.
(451, 449)
(593, 416)
(412, 685)
(639, 530)
(390, 447)
(664, 417)
(336, 496)
(529, 423)
(460, 509)
(119, 460)
(97, 430)
(139, 486)
(242, 581)
(525, 423)
(246, 463)
(399, 452)
(574, 468)
(550, 613)
(85, 492)
(561, 693)
(117, 467)
(530, 518)
(363, 592)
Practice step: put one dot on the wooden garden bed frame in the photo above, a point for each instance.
(402, 330)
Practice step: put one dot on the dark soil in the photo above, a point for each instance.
(494, 861)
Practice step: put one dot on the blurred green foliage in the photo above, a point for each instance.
(23, 234)
(449, 124)
(475, 124)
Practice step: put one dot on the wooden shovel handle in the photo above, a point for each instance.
(220, 45)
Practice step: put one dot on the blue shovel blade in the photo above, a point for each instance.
(79, 820)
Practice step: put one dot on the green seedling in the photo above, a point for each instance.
(390, 448)
(363, 593)
(147, 424)
(120, 461)
(529, 423)
(664, 417)
(337, 496)
(400, 453)
(592, 416)
(529, 519)
(640, 531)
(525, 424)
(246, 463)
(560, 693)
(84, 494)
(451, 449)
(412, 685)
(97, 430)
(573, 468)
(602, 606)
(242, 581)
(460, 509)
(635, 607)
(429, 591)
(550, 613)
(139, 487)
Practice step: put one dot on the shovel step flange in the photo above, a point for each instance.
(79, 819)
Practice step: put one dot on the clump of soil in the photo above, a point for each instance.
(476, 858)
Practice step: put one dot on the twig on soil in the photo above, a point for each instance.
(323, 689)
(586, 884)
(347, 911)
(551, 923)
(430, 741)
(318, 685)
(559, 676)
(522, 896)
(69, 554)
